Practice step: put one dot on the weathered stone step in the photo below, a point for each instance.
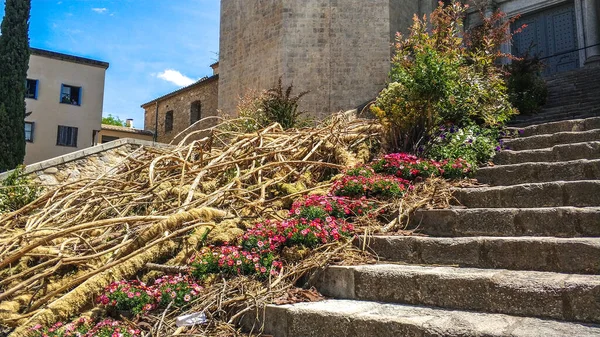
(584, 193)
(556, 221)
(336, 318)
(563, 109)
(572, 125)
(564, 152)
(562, 255)
(567, 297)
(505, 175)
(540, 119)
(549, 140)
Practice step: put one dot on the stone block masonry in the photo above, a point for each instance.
(182, 104)
(338, 50)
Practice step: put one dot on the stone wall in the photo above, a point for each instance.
(337, 50)
(92, 162)
(180, 102)
(250, 48)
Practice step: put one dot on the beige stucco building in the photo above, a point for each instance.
(65, 96)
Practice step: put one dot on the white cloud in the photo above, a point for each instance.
(100, 10)
(175, 77)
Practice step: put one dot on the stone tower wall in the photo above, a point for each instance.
(250, 56)
(339, 50)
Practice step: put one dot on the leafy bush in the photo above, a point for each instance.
(113, 120)
(527, 89)
(476, 145)
(17, 191)
(278, 105)
(436, 78)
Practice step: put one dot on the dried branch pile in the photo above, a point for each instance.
(159, 205)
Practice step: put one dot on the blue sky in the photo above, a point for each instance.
(153, 46)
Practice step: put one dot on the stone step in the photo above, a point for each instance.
(561, 255)
(570, 107)
(556, 221)
(505, 175)
(554, 117)
(348, 318)
(549, 140)
(565, 152)
(583, 193)
(566, 297)
(561, 126)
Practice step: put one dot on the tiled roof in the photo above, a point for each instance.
(69, 58)
(173, 93)
(126, 129)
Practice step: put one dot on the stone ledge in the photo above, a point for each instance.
(80, 154)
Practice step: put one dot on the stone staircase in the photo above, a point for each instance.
(520, 257)
(571, 95)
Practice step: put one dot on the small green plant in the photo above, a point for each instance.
(17, 191)
(279, 105)
(527, 89)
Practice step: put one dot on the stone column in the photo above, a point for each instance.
(591, 28)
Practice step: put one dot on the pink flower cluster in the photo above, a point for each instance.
(138, 297)
(318, 206)
(85, 327)
(233, 260)
(376, 186)
(410, 167)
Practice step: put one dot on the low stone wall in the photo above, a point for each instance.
(90, 162)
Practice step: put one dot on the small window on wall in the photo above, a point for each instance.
(66, 136)
(29, 131)
(195, 112)
(169, 121)
(70, 94)
(32, 89)
(106, 139)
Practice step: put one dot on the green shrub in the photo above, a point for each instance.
(527, 89)
(17, 191)
(437, 78)
(475, 144)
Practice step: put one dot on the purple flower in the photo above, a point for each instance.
(498, 148)
(521, 131)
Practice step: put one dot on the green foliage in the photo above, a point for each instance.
(14, 62)
(113, 120)
(436, 78)
(527, 89)
(477, 145)
(17, 191)
(279, 105)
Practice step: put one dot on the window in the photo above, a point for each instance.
(169, 121)
(106, 139)
(67, 136)
(195, 112)
(70, 95)
(32, 89)
(29, 131)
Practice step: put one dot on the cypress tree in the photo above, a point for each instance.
(14, 62)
